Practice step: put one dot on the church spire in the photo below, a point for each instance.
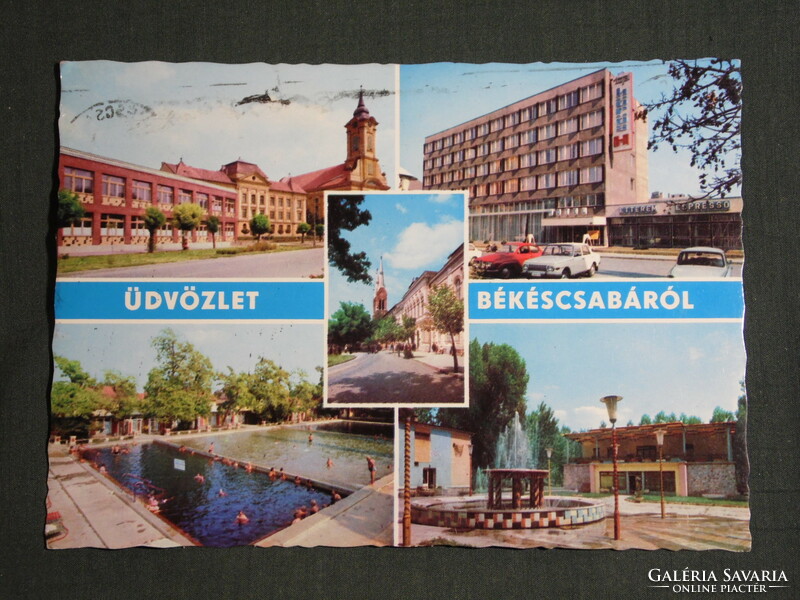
(379, 302)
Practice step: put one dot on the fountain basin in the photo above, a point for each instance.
(474, 514)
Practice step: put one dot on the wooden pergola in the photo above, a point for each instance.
(535, 477)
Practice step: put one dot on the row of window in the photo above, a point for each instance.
(523, 115)
(299, 217)
(570, 177)
(555, 204)
(81, 181)
(260, 200)
(518, 140)
(591, 147)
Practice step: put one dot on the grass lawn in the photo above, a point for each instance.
(337, 359)
(75, 264)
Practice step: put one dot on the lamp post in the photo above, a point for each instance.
(549, 451)
(471, 489)
(660, 441)
(611, 406)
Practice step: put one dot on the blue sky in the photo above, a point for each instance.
(413, 233)
(675, 367)
(189, 110)
(126, 347)
(437, 96)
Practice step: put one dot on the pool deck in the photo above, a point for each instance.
(362, 519)
(95, 513)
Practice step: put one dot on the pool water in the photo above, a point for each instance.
(347, 444)
(197, 508)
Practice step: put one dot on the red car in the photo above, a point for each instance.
(507, 261)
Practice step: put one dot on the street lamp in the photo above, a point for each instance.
(549, 451)
(660, 440)
(611, 405)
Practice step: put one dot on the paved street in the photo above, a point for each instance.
(387, 378)
(290, 264)
(617, 267)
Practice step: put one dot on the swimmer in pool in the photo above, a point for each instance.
(329, 464)
(222, 493)
(241, 518)
(199, 478)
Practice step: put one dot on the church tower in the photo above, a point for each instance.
(379, 302)
(362, 160)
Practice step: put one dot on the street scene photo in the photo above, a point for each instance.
(209, 435)
(396, 299)
(586, 436)
(606, 170)
(201, 170)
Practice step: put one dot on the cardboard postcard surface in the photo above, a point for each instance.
(375, 305)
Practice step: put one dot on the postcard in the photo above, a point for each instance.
(411, 305)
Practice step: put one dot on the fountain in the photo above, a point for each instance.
(523, 510)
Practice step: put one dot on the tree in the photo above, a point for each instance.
(186, 217)
(236, 392)
(153, 220)
(73, 402)
(179, 388)
(344, 214)
(740, 457)
(303, 229)
(702, 114)
(447, 313)
(386, 330)
(319, 230)
(498, 381)
(720, 415)
(408, 329)
(125, 402)
(350, 325)
(645, 420)
(270, 388)
(70, 211)
(662, 417)
(212, 224)
(259, 225)
(689, 419)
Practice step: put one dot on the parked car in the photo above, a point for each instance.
(472, 253)
(507, 261)
(701, 262)
(563, 261)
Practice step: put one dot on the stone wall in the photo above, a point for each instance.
(711, 478)
(577, 477)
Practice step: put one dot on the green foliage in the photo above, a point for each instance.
(259, 225)
(187, 217)
(663, 417)
(319, 230)
(720, 415)
(125, 402)
(68, 399)
(702, 114)
(212, 224)
(498, 381)
(351, 324)
(689, 420)
(303, 229)
(645, 420)
(179, 388)
(447, 313)
(73, 370)
(70, 211)
(344, 214)
(387, 330)
(153, 220)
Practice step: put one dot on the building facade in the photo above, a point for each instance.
(697, 460)
(414, 303)
(677, 221)
(441, 457)
(115, 194)
(550, 165)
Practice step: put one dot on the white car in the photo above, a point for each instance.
(563, 261)
(701, 262)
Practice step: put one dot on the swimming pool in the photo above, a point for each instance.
(197, 508)
(346, 443)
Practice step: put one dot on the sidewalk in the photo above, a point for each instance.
(75, 491)
(362, 519)
(441, 362)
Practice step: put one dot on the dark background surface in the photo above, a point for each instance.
(36, 35)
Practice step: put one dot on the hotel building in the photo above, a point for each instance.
(551, 165)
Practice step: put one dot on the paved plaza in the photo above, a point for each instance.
(686, 527)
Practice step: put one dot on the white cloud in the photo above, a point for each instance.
(401, 208)
(421, 245)
(695, 353)
(443, 198)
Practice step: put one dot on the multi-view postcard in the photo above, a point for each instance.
(399, 305)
